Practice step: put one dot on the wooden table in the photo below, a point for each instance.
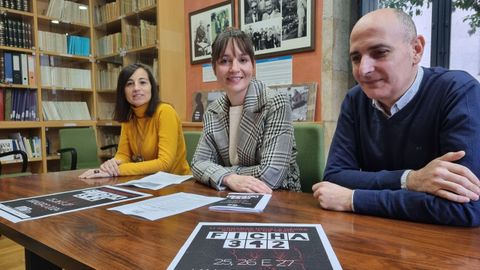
(101, 239)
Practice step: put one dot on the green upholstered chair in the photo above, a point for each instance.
(309, 138)
(24, 158)
(78, 149)
(191, 141)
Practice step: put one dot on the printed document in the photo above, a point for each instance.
(157, 181)
(164, 206)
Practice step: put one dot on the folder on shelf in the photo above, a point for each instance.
(24, 69)
(8, 104)
(17, 68)
(31, 70)
(8, 67)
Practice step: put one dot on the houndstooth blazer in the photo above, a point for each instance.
(266, 145)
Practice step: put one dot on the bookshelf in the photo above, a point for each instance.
(77, 52)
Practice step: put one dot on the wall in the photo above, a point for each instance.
(338, 18)
(307, 66)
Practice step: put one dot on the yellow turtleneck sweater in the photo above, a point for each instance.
(160, 139)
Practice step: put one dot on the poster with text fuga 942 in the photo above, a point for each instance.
(235, 246)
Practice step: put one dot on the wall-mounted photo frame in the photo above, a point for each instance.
(279, 26)
(201, 100)
(303, 99)
(205, 25)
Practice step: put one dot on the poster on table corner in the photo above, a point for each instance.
(278, 26)
(263, 246)
(205, 25)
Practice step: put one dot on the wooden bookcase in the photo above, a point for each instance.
(165, 57)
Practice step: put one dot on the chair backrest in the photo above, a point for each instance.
(309, 138)
(191, 141)
(84, 142)
(24, 158)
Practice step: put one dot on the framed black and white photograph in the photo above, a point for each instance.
(205, 25)
(201, 100)
(303, 99)
(278, 26)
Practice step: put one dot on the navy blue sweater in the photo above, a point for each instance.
(370, 152)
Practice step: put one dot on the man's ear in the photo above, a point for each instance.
(418, 46)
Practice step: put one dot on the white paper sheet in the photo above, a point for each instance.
(165, 206)
(157, 181)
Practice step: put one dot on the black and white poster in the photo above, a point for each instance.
(233, 246)
(58, 203)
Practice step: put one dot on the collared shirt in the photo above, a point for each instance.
(405, 98)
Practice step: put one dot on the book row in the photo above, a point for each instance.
(109, 44)
(65, 78)
(18, 105)
(107, 78)
(61, 43)
(22, 5)
(65, 110)
(113, 10)
(140, 36)
(68, 11)
(17, 68)
(31, 146)
(15, 32)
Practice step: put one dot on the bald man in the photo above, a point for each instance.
(407, 143)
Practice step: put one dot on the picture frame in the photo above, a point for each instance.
(205, 25)
(283, 27)
(200, 102)
(303, 99)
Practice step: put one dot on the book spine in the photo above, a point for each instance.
(2, 30)
(8, 32)
(26, 5)
(28, 36)
(2, 68)
(2, 105)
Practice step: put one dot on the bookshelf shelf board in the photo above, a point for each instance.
(16, 12)
(142, 49)
(150, 10)
(110, 24)
(45, 21)
(9, 85)
(61, 88)
(20, 124)
(106, 91)
(15, 161)
(107, 123)
(68, 56)
(108, 57)
(69, 123)
(17, 49)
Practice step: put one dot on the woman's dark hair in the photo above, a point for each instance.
(240, 39)
(123, 111)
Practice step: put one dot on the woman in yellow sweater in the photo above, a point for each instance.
(151, 137)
